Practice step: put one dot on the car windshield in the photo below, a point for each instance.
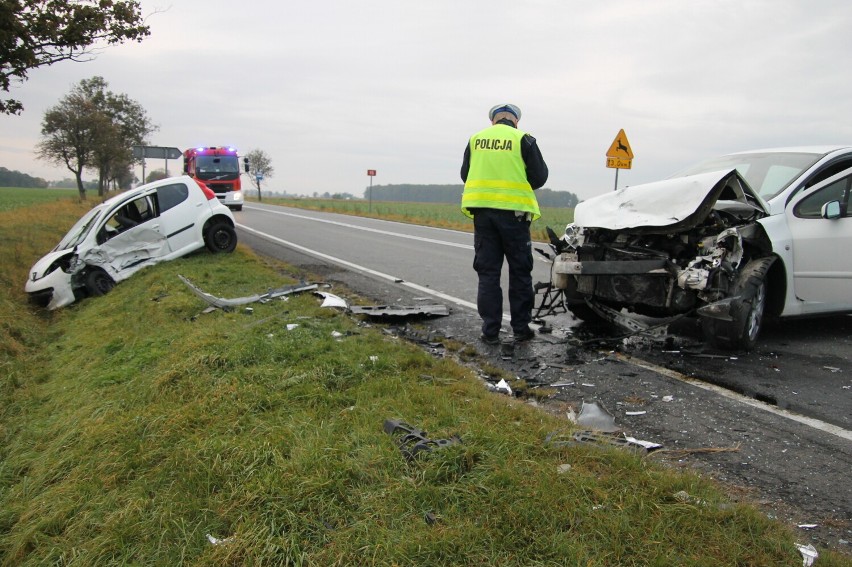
(79, 231)
(767, 173)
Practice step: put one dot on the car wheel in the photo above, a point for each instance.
(98, 283)
(220, 237)
(747, 316)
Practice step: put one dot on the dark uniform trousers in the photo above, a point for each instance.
(499, 233)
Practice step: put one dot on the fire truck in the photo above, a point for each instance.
(219, 169)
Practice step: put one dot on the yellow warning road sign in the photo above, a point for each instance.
(620, 148)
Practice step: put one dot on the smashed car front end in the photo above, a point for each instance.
(50, 282)
(662, 249)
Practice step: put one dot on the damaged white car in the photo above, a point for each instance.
(736, 240)
(152, 223)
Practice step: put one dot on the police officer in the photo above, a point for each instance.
(502, 167)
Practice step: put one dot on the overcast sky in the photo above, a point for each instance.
(329, 89)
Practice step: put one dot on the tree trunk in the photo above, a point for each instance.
(80, 188)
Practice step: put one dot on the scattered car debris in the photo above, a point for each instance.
(228, 304)
(563, 468)
(595, 416)
(809, 554)
(388, 311)
(631, 413)
(600, 438)
(832, 369)
(331, 300)
(217, 541)
(501, 387)
(807, 526)
(413, 441)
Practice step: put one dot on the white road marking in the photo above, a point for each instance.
(361, 269)
(745, 400)
(376, 230)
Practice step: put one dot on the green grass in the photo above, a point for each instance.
(133, 425)
(440, 215)
(13, 197)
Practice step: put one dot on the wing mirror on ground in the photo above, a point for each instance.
(830, 210)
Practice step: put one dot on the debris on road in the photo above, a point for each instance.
(598, 438)
(388, 311)
(595, 416)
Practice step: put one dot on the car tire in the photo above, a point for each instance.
(747, 316)
(220, 237)
(98, 283)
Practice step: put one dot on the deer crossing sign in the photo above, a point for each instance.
(619, 155)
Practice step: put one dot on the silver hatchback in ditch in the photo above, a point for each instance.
(735, 240)
(149, 224)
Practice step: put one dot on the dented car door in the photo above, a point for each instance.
(129, 238)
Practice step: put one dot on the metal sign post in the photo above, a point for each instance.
(259, 177)
(619, 155)
(142, 152)
(371, 173)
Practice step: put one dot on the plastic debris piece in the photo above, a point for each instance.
(635, 412)
(831, 368)
(564, 468)
(291, 326)
(809, 554)
(217, 541)
(595, 416)
(331, 300)
(808, 526)
(501, 387)
(336, 334)
(668, 398)
(413, 441)
(436, 310)
(558, 439)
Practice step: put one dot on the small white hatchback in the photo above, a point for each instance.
(152, 223)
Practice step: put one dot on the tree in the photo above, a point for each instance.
(112, 155)
(92, 128)
(259, 165)
(155, 175)
(44, 32)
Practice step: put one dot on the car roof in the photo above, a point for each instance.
(817, 150)
(131, 193)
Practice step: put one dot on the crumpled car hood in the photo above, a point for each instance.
(676, 204)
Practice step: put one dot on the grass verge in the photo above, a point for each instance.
(132, 426)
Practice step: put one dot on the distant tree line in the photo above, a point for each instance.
(10, 178)
(452, 194)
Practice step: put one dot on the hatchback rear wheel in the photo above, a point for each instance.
(220, 237)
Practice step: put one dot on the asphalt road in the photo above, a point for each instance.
(775, 422)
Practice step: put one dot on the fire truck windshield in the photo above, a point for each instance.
(209, 168)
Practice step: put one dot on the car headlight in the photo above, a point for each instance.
(238, 195)
(67, 264)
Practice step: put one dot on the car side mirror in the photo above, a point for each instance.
(830, 210)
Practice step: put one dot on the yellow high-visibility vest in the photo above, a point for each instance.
(497, 178)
